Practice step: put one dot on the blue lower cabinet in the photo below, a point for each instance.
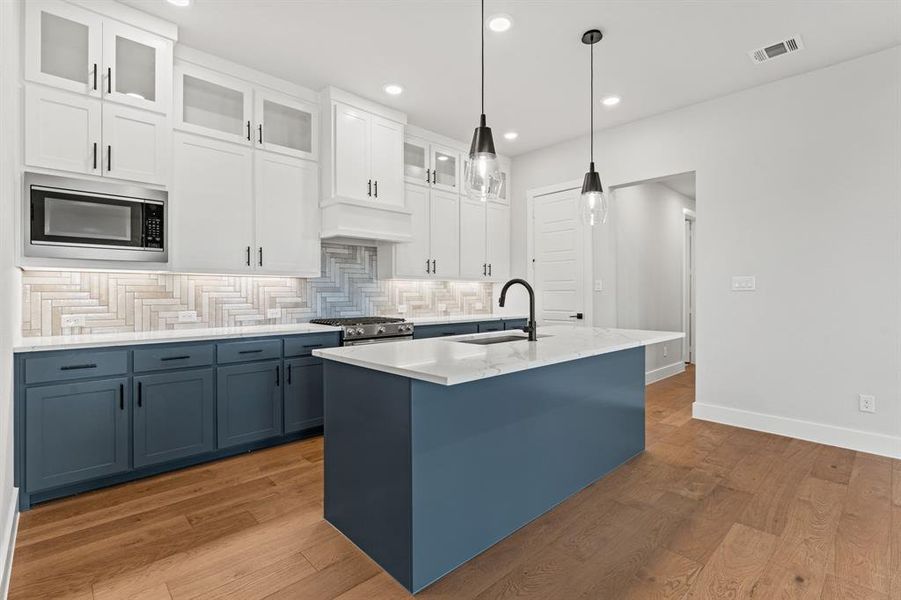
(173, 416)
(303, 394)
(76, 432)
(515, 323)
(487, 326)
(432, 331)
(249, 402)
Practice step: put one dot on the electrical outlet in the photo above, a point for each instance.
(598, 285)
(401, 308)
(867, 403)
(273, 313)
(665, 350)
(187, 316)
(744, 283)
(71, 321)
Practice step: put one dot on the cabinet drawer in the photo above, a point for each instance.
(303, 345)
(431, 331)
(75, 365)
(515, 323)
(177, 357)
(491, 326)
(246, 351)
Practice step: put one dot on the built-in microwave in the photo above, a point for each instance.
(74, 218)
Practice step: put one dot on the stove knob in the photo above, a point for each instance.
(360, 331)
(349, 331)
(380, 330)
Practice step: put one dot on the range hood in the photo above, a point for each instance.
(362, 221)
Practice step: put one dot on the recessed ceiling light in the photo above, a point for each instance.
(500, 23)
(611, 101)
(442, 157)
(180, 3)
(393, 89)
(511, 135)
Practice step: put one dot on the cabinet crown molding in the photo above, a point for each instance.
(130, 16)
(332, 94)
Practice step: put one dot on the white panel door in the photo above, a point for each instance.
(444, 225)
(63, 44)
(351, 175)
(212, 206)
(286, 125)
(137, 67)
(135, 144)
(62, 130)
(412, 259)
(286, 199)
(387, 154)
(559, 278)
(498, 242)
(212, 104)
(473, 264)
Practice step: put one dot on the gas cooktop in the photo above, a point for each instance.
(355, 321)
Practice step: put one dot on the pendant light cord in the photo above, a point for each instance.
(483, 56)
(591, 104)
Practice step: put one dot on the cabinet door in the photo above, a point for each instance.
(503, 192)
(303, 394)
(498, 241)
(211, 205)
(410, 257)
(351, 153)
(62, 46)
(173, 416)
(444, 225)
(286, 125)
(208, 103)
(62, 130)
(387, 154)
(75, 432)
(249, 402)
(473, 264)
(445, 168)
(286, 201)
(137, 67)
(416, 161)
(135, 144)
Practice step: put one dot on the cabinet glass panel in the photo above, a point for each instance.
(445, 169)
(416, 161)
(288, 127)
(135, 69)
(64, 48)
(212, 106)
(502, 191)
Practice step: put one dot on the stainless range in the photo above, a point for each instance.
(357, 331)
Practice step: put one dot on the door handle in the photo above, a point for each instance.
(168, 358)
(121, 396)
(95, 76)
(278, 381)
(261, 256)
(248, 131)
(489, 269)
(109, 158)
(434, 176)
(261, 133)
(428, 175)
(78, 367)
(434, 266)
(289, 374)
(427, 270)
(248, 256)
(484, 269)
(577, 316)
(95, 155)
(376, 188)
(140, 394)
(109, 80)
(369, 190)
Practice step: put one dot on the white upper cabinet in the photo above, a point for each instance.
(503, 193)
(445, 234)
(417, 165)
(386, 161)
(498, 241)
(473, 228)
(413, 259)
(286, 125)
(63, 130)
(209, 103)
(135, 144)
(427, 163)
(63, 46)
(445, 166)
(137, 67)
(352, 143)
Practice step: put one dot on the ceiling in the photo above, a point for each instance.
(657, 55)
(683, 184)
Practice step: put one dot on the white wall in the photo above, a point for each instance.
(10, 159)
(797, 183)
(649, 227)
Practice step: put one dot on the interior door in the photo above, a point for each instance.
(444, 225)
(498, 241)
(351, 153)
(212, 205)
(473, 229)
(387, 161)
(410, 257)
(558, 258)
(211, 104)
(137, 67)
(62, 130)
(62, 46)
(286, 203)
(134, 144)
(286, 125)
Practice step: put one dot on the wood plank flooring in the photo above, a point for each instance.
(708, 511)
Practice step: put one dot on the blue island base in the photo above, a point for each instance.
(423, 477)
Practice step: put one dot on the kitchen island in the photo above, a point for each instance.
(436, 449)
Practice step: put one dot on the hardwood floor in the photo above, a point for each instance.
(708, 511)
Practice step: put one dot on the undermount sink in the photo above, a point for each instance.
(501, 339)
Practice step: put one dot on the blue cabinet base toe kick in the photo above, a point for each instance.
(423, 477)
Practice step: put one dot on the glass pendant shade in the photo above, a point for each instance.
(594, 200)
(483, 173)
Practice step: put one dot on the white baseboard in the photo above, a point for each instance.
(852, 439)
(9, 541)
(664, 372)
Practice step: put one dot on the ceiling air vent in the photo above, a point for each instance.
(781, 48)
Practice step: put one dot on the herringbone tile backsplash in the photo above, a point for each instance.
(349, 286)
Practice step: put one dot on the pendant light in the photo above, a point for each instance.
(483, 174)
(594, 201)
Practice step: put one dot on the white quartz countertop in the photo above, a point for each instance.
(460, 319)
(67, 342)
(450, 361)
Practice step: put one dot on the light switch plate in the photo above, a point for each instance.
(187, 316)
(744, 283)
(71, 321)
(273, 313)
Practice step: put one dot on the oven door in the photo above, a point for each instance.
(384, 340)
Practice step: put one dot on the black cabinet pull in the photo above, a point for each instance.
(95, 155)
(434, 266)
(435, 176)
(489, 269)
(447, 333)
(369, 189)
(312, 346)
(248, 256)
(109, 80)
(261, 133)
(109, 158)
(484, 269)
(261, 256)
(121, 396)
(428, 175)
(427, 270)
(277, 376)
(248, 131)
(289, 374)
(95, 76)
(376, 188)
(257, 351)
(77, 367)
(168, 358)
(140, 394)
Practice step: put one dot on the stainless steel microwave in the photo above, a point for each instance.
(74, 218)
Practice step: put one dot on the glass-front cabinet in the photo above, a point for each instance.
(430, 164)
(212, 104)
(417, 166)
(138, 67)
(445, 168)
(286, 125)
